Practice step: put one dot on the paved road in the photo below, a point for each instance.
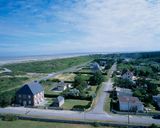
(106, 86)
(96, 114)
(77, 115)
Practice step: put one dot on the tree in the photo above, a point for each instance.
(97, 78)
(5, 100)
(78, 80)
(153, 126)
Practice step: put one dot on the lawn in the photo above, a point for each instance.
(37, 124)
(48, 86)
(92, 90)
(107, 106)
(69, 103)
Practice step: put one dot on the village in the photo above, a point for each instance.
(77, 90)
(116, 86)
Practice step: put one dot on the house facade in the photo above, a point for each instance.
(30, 95)
(129, 103)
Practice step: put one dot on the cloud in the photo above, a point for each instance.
(85, 25)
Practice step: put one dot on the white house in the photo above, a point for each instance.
(129, 103)
(128, 75)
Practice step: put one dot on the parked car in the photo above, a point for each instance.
(156, 117)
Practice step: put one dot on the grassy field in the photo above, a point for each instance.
(107, 105)
(48, 66)
(8, 83)
(69, 104)
(36, 124)
(65, 77)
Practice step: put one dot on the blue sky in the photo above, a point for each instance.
(36, 27)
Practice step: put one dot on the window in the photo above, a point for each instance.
(19, 96)
(20, 101)
(29, 96)
(29, 102)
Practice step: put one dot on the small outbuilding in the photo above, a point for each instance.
(59, 101)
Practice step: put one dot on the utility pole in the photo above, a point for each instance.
(128, 113)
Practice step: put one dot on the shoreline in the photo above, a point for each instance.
(37, 58)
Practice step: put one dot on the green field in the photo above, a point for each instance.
(69, 104)
(13, 82)
(47, 66)
(37, 124)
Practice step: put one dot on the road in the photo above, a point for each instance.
(96, 114)
(72, 69)
(106, 86)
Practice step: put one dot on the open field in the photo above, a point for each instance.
(69, 104)
(65, 77)
(8, 83)
(37, 124)
(47, 66)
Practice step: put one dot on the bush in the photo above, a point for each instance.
(9, 118)
(153, 126)
(96, 124)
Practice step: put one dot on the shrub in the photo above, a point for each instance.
(96, 124)
(9, 117)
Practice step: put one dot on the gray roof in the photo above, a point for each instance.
(156, 98)
(60, 98)
(31, 88)
(124, 91)
(130, 99)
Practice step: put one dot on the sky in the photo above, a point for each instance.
(41, 27)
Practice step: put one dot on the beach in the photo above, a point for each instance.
(11, 60)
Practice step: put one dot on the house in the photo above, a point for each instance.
(123, 91)
(59, 101)
(128, 75)
(129, 103)
(61, 86)
(30, 94)
(95, 67)
(156, 99)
